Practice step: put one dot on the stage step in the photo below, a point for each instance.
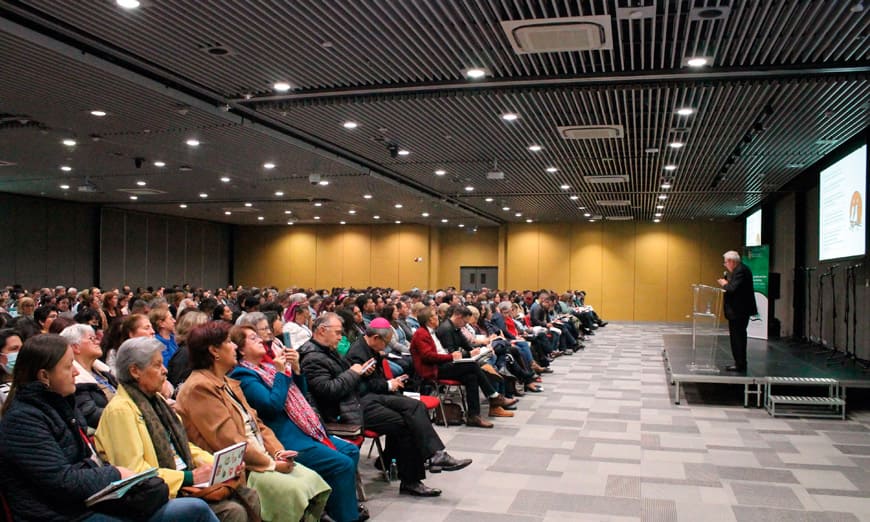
(805, 381)
(815, 401)
(832, 407)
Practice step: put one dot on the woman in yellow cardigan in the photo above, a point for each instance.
(139, 431)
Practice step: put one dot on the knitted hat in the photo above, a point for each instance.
(379, 323)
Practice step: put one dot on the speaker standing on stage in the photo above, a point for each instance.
(739, 306)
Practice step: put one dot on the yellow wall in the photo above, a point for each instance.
(631, 271)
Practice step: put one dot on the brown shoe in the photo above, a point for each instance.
(498, 411)
(476, 421)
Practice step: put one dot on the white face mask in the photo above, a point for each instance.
(10, 362)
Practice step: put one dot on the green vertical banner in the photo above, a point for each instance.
(757, 258)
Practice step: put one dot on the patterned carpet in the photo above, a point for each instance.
(605, 442)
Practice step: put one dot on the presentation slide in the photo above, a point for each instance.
(842, 191)
(753, 229)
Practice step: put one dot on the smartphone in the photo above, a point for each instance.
(369, 365)
(403, 377)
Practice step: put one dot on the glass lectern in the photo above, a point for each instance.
(706, 310)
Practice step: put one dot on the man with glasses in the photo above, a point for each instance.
(356, 391)
(739, 306)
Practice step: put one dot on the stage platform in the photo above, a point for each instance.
(767, 359)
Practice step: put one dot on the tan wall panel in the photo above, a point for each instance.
(683, 269)
(434, 259)
(587, 261)
(330, 248)
(413, 243)
(522, 257)
(617, 293)
(385, 255)
(356, 259)
(651, 281)
(554, 268)
(459, 248)
(275, 256)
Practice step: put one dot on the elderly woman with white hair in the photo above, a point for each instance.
(138, 430)
(96, 385)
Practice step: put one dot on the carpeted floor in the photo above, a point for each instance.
(605, 442)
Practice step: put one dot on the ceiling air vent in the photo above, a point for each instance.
(548, 35)
(596, 180)
(142, 191)
(613, 202)
(706, 14)
(591, 132)
(619, 218)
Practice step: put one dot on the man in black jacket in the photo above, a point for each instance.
(360, 379)
(739, 306)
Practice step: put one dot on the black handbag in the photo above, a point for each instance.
(139, 503)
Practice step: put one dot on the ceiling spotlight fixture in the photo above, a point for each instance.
(564, 186)
(551, 170)
(342, 222)
(469, 188)
(398, 222)
(676, 144)
(290, 222)
(697, 61)
(65, 168)
(660, 207)
(475, 73)
(141, 183)
(461, 225)
(581, 208)
(260, 218)
(225, 179)
(440, 172)
(586, 214)
(317, 218)
(592, 221)
(127, 4)
(376, 217)
(398, 205)
(64, 187)
(192, 143)
(574, 198)
(488, 200)
(444, 220)
(666, 185)
(425, 214)
(279, 193)
(367, 196)
(228, 213)
(351, 212)
(281, 86)
(657, 220)
(134, 198)
(318, 203)
(159, 164)
(69, 142)
(663, 196)
(98, 113)
(288, 211)
(268, 166)
(403, 152)
(685, 111)
(528, 221)
(203, 195)
(323, 182)
(505, 208)
(510, 116)
(518, 214)
(249, 205)
(183, 205)
(350, 125)
(670, 167)
(535, 148)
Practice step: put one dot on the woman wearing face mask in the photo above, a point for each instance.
(10, 343)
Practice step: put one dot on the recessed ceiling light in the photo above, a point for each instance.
(317, 217)
(249, 205)
(268, 166)
(64, 187)
(445, 220)
(564, 186)
(592, 221)
(260, 218)
(281, 86)
(469, 188)
(98, 113)
(666, 185)
(398, 222)
(367, 196)
(535, 148)
(660, 207)
(318, 204)
(203, 195)
(552, 169)
(134, 198)
(159, 164)
(288, 211)
(518, 214)
(461, 225)
(350, 125)
(228, 213)
(505, 208)
(342, 222)
(69, 142)
(192, 143)
(586, 214)
(182, 205)
(475, 73)
(658, 214)
(440, 172)
(323, 182)
(425, 214)
(65, 168)
(376, 217)
(670, 167)
(488, 200)
(528, 221)
(289, 222)
(581, 208)
(685, 111)
(398, 205)
(663, 196)
(651, 150)
(510, 116)
(225, 179)
(351, 211)
(279, 193)
(404, 152)
(575, 198)
(697, 61)
(676, 144)
(141, 183)
(657, 220)
(128, 4)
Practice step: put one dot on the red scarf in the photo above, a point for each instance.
(297, 408)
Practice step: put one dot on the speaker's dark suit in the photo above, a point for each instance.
(739, 307)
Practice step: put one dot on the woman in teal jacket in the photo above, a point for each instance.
(280, 402)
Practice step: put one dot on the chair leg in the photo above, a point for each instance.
(360, 489)
(384, 467)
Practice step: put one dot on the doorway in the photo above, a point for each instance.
(477, 277)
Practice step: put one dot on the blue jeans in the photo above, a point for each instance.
(338, 469)
(176, 510)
